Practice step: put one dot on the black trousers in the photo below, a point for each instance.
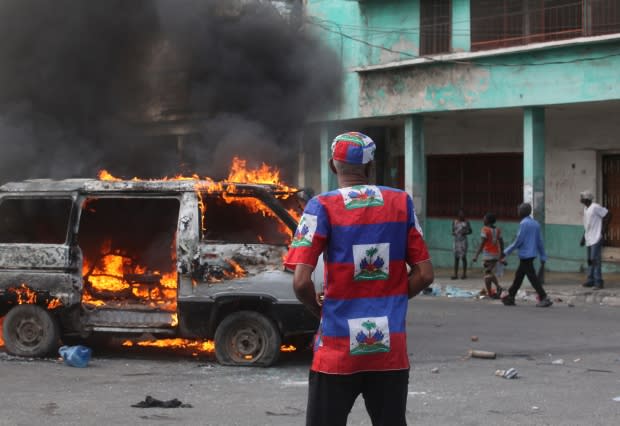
(526, 268)
(331, 397)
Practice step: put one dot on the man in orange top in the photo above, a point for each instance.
(491, 246)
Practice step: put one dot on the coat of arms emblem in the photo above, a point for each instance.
(359, 196)
(369, 335)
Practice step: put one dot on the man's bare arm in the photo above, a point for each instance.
(304, 289)
(422, 275)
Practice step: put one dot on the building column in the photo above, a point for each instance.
(415, 164)
(461, 26)
(324, 140)
(534, 161)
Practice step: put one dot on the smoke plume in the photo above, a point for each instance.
(155, 87)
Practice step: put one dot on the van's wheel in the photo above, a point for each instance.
(31, 331)
(247, 338)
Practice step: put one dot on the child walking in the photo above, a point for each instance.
(460, 230)
(492, 247)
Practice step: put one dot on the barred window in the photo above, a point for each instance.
(503, 23)
(436, 27)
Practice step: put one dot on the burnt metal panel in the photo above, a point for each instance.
(34, 256)
(274, 285)
(125, 318)
(63, 286)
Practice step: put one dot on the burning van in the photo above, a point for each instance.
(174, 258)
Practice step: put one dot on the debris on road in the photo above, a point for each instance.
(457, 292)
(482, 354)
(150, 402)
(558, 362)
(474, 338)
(435, 370)
(511, 373)
(617, 399)
(75, 356)
(577, 360)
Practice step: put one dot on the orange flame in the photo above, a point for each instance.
(198, 346)
(1, 340)
(112, 278)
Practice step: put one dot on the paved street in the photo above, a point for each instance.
(462, 391)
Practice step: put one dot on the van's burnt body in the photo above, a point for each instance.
(183, 272)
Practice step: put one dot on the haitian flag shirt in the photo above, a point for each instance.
(367, 235)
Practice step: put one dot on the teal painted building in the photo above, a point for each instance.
(481, 104)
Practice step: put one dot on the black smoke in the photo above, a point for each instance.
(154, 87)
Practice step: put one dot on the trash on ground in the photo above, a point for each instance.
(435, 370)
(577, 360)
(617, 399)
(432, 290)
(535, 408)
(457, 292)
(511, 373)
(474, 338)
(558, 362)
(150, 402)
(75, 356)
(482, 354)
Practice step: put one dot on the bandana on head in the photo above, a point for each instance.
(353, 148)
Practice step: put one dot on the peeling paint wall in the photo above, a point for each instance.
(450, 87)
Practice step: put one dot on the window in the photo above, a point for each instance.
(242, 220)
(435, 21)
(34, 220)
(611, 197)
(506, 23)
(477, 183)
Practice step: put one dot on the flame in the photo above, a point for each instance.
(198, 346)
(25, 295)
(201, 346)
(112, 279)
(1, 340)
(105, 175)
(236, 272)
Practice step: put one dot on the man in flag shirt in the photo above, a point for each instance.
(368, 235)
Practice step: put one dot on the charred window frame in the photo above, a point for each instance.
(35, 220)
(505, 23)
(435, 26)
(228, 219)
(478, 183)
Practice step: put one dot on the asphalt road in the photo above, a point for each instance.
(446, 386)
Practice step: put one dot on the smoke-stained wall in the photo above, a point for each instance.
(137, 87)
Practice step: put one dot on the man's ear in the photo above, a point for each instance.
(332, 167)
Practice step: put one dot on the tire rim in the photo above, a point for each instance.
(29, 332)
(247, 344)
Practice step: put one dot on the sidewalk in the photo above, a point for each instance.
(562, 288)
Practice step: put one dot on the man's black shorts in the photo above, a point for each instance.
(331, 397)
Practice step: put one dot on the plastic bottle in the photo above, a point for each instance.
(75, 356)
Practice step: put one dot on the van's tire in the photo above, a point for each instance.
(247, 338)
(30, 331)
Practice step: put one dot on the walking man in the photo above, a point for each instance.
(595, 221)
(368, 235)
(530, 245)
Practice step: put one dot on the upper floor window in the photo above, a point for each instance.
(436, 27)
(503, 23)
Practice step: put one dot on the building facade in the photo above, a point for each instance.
(480, 105)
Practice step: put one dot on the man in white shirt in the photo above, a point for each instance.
(595, 221)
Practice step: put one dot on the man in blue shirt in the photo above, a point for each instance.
(530, 244)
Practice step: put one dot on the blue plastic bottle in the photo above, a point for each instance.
(75, 356)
